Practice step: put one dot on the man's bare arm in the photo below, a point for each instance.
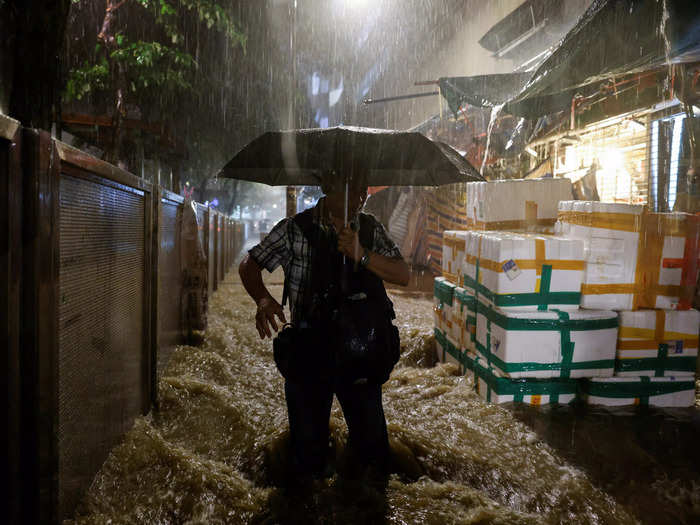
(268, 307)
(388, 269)
(391, 270)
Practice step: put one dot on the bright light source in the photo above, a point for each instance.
(611, 159)
(675, 160)
(531, 151)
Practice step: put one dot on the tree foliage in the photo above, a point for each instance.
(152, 58)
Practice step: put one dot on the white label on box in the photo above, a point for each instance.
(511, 269)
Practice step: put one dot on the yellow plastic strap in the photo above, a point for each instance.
(452, 277)
(609, 221)
(653, 344)
(456, 243)
(533, 264)
(512, 225)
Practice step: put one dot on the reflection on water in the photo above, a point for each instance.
(216, 451)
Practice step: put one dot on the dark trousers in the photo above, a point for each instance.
(309, 408)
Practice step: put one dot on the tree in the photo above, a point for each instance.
(146, 59)
(32, 37)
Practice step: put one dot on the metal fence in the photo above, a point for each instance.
(10, 306)
(91, 287)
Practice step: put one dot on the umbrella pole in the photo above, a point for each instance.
(347, 184)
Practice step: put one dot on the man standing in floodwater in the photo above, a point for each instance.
(371, 254)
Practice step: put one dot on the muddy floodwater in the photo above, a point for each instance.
(215, 452)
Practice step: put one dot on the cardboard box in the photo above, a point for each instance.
(547, 344)
(657, 343)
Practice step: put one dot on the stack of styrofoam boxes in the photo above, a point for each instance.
(529, 205)
(531, 337)
(645, 265)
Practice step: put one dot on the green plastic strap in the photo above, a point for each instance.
(444, 342)
(476, 276)
(662, 356)
(531, 367)
(487, 350)
(573, 325)
(467, 362)
(685, 363)
(440, 337)
(524, 387)
(545, 282)
(454, 351)
(567, 347)
(444, 291)
(642, 388)
(644, 399)
(464, 297)
(530, 299)
(541, 299)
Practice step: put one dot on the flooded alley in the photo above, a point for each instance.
(215, 452)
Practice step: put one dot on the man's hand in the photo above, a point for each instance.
(349, 244)
(265, 316)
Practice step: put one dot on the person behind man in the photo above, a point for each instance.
(309, 400)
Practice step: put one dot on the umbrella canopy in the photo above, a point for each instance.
(390, 158)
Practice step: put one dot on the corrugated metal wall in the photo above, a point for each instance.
(93, 301)
(10, 271)
(100, 325)
(169, 273)
(169, 316)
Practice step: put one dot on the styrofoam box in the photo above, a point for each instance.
(639, 350)
(610, 253)
(516, 204)
(442, 297)
(654, 391)
(472, 251)
(453, 243)
(529, 344)
(511, 268)
(465, 315)
(495, 389)
(453, 355)
(458, 330)
(440, 344)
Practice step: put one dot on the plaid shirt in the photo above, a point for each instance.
(286, 245)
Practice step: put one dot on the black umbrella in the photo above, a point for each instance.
(390, 158)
